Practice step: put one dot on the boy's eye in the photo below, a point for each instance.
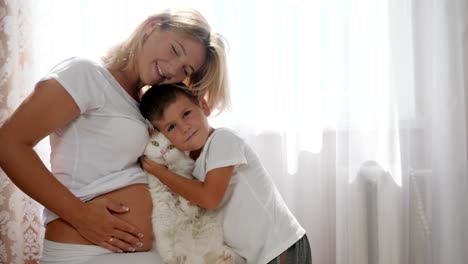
(186, 113)
(155, 143)
(170, 128)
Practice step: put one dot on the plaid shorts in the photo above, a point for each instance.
(299, 253)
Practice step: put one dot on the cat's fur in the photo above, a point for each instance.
(184, 232)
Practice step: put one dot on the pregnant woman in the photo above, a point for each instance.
(96, 198)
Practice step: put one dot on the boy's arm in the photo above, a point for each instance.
(207, 194)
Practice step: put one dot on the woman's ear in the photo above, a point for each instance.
(204, 106)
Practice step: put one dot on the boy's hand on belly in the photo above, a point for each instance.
(100, 227)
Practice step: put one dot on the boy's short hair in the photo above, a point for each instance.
(158, 98)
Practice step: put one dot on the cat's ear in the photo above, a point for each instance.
(153, 132)
(204, 106)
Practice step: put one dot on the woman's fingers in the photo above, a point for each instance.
(127, 232)
(104, 229)
(121, 241)
(125, 241)
(116, 207)
(109, 246)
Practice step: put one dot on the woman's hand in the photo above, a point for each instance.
(152, 167)
(100, 227)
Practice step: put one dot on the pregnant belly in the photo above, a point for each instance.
(136, 197)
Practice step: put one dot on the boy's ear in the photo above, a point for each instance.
(204, 106)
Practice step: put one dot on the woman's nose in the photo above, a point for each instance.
(175, 69)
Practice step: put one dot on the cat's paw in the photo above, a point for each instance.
(224, 256)
(173, 259)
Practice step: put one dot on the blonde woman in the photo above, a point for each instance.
(96, 198)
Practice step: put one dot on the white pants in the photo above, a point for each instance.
(54, 252)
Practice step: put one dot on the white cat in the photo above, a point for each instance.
(184, 233)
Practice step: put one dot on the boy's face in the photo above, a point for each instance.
(185, 124)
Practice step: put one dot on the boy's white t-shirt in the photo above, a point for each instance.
(256, 221)
(98, 151)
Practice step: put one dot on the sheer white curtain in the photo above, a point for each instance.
(356, 107)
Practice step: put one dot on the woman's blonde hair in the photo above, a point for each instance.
(210, 81)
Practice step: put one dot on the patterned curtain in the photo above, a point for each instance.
(21, 232)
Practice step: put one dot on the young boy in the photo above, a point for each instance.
(229, 176)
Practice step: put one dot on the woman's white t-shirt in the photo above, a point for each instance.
(98, 151)
(256, 221)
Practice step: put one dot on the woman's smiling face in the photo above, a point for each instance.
(168, 56)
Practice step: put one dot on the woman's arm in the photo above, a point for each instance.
(207, 194)
(48, 108)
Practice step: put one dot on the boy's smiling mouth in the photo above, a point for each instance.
(191, 135)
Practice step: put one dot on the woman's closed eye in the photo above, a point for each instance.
(174, 50)
(188, 70)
